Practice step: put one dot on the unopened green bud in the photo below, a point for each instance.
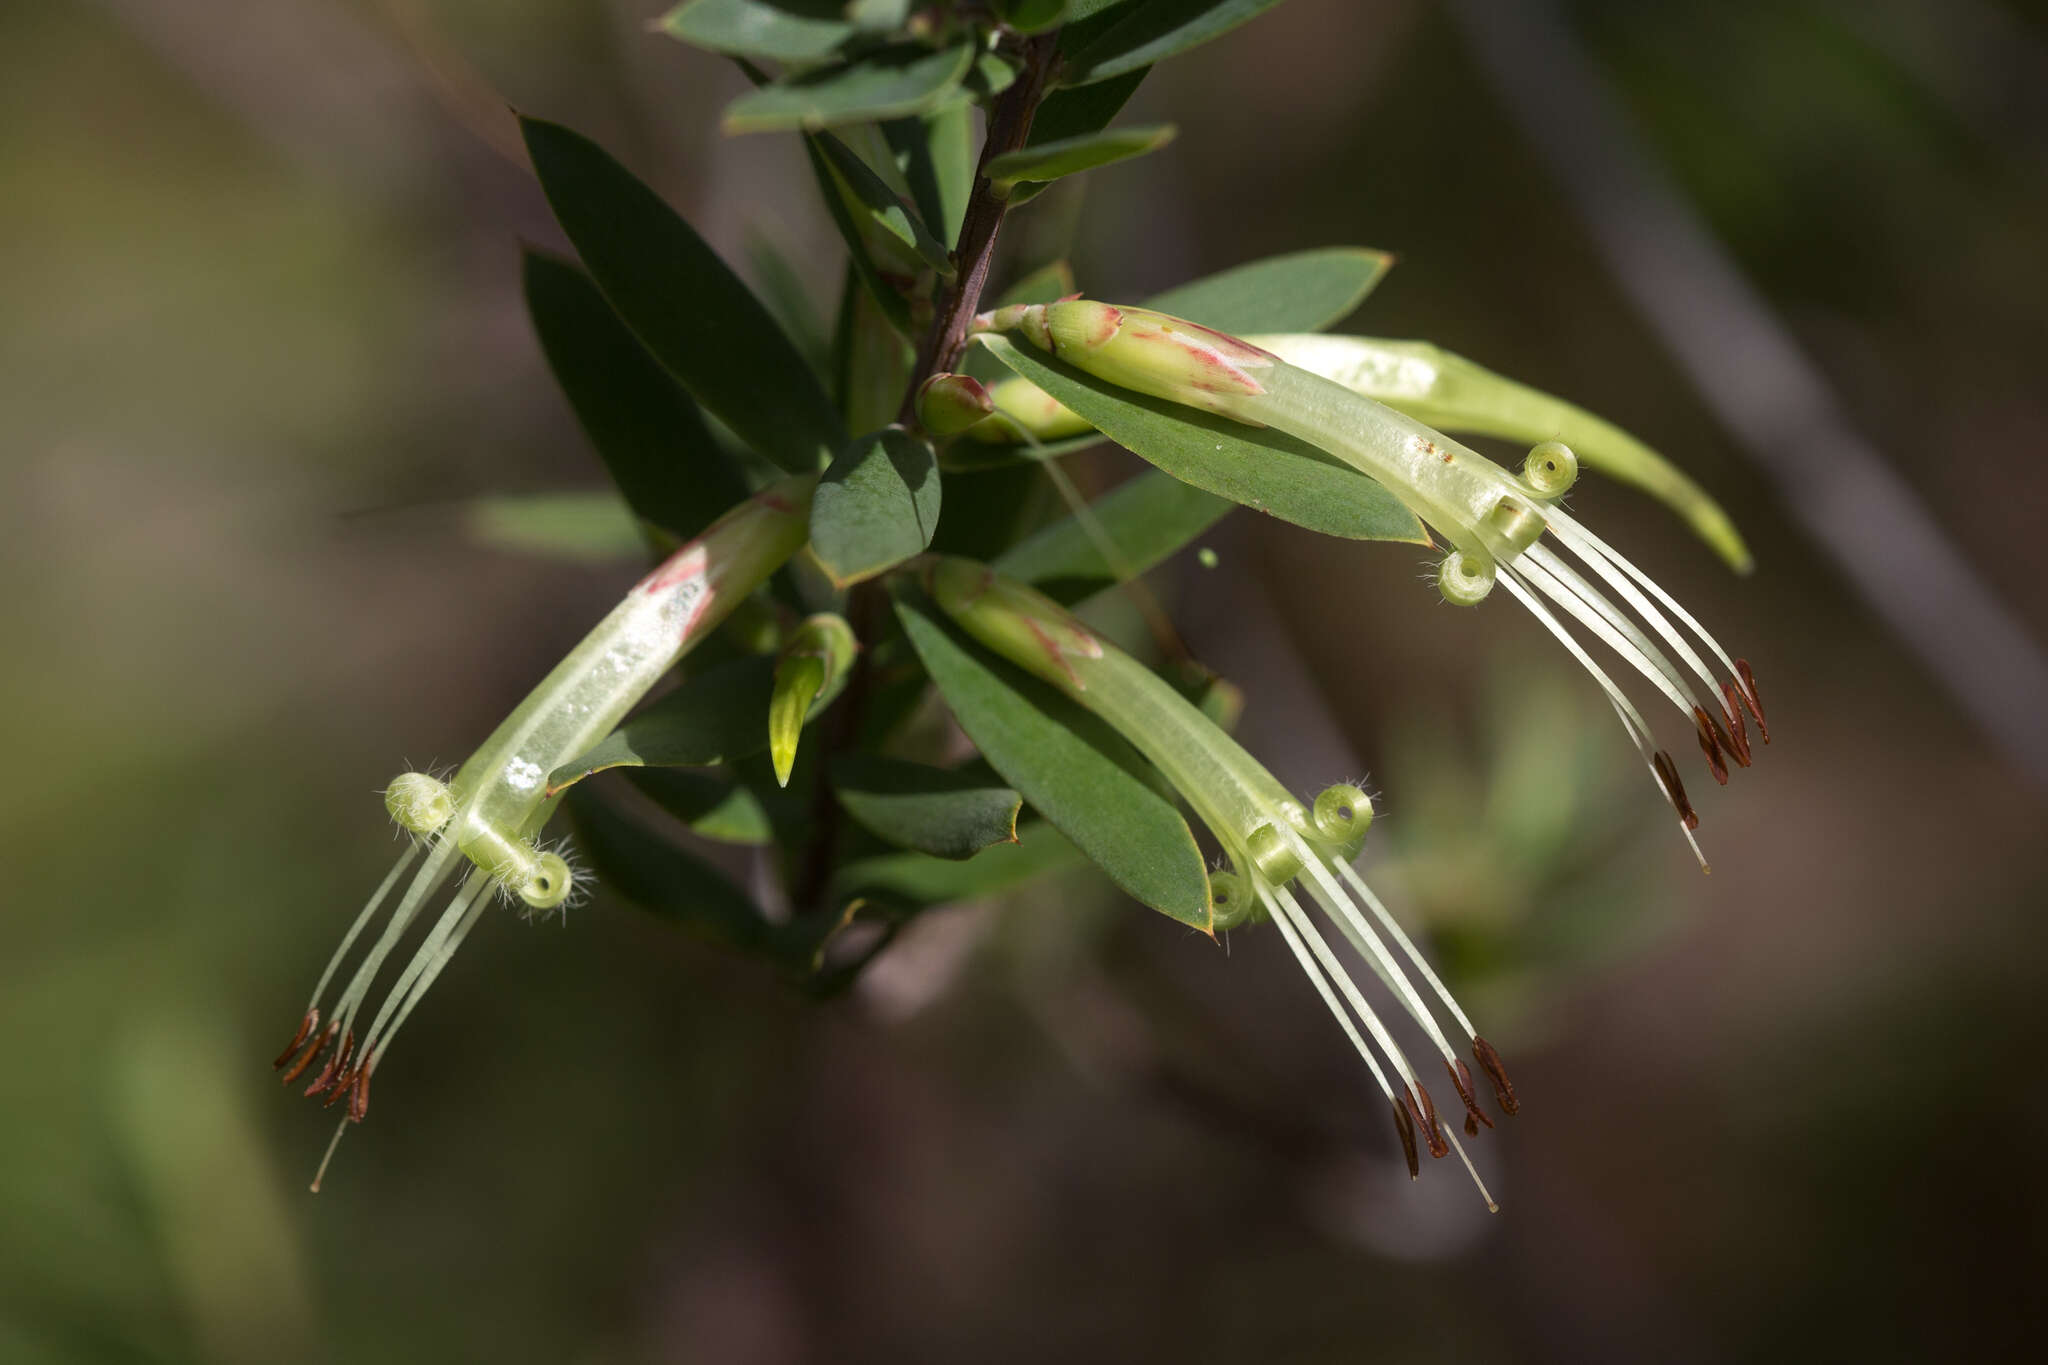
(948, 404)
(1463, 580)
(1026, 410)
(1021, 624)
(418, 802)
(809, 674)
(1137, 348)
(1342, 814)
(1551, 469)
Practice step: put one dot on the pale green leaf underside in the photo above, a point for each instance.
(780, 30)
(890, 83)
(876, 506)
(939, 811)
(1302, 291)
(1071, 156)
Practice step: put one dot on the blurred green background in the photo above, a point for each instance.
(260, 336)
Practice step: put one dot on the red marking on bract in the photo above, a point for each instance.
(306, 1058)
(1405, 1127)
(1674, 790)
(306, 1026)
(1709, 746)
(1503, 1088)
(1738, 729)
(1054, 652)
(1752, 698)
(1461, 1077)
(1108, 323)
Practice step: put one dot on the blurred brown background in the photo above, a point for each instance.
(260, 334)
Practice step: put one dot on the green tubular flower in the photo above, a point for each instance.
(487, 816)
(1494, 521)
(1277, 846)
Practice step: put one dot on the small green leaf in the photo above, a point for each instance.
(682, 301)
(588, 528)
(885, 297)
(951, 140)
(1032, 16)
(888, 83)
(1451, 393)
(1071, 768)
(876, 506)
(940, 811)
(642, 422)
(882, 207)
(1084, 109)
(913, 881)
(1147, 31)
(1071, 156)
(711, 801)
(781, 30)
(715, 716)
(667, 880)
(1262, 469)
(1304, 291)
(881, 15)
(1043, 285)
(1146, 519)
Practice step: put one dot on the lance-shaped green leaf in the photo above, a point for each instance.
(587, 528)
(1146, 31)
(882, 207)
(715, 716)
(1450, 393)
(884, 296)
(780, 30)
(711, 801)
(940, 811)
(643, 423)
(1085, 109)
(1117, 537)
(1072, 770)
(1302, 291)
(683, 303)
(669, 881)
(809, 673)
(913, 881)
(1070, 156)
(888, 83)
(936, 153)
(876, 506)
(1262, 469)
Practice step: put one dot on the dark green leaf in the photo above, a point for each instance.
(683, 303)
(885, 297)
(1145, 519)
(782, 30)
(590, 528)
(1084, 109)
(883, 208)
(1147, 31)
(1070, 156)
(712, 802)
(912, 881)
(952, 151)
(888, 83)
(788, 298)
(714, 717)
(643, 423)
(1070, 767)
(1304, 291)
(631, 861)
(876, 506)
(914, 142)
(939, 811)
(1263, 469)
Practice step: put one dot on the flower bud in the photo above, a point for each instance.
(810, 672)
(1150, 352)
(948, 404)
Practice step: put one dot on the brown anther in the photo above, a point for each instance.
(1405, 1126)
(337, 1066)
(306, 1026)
(359, 1095)
(1426, 1120)
(1503, 1088)
(1723, 737)
(1738, 729)
(343, 1084)
(1461, 1076)
(306, 1058)
(1752, 698)
(1710, 745)
(1674, 790)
